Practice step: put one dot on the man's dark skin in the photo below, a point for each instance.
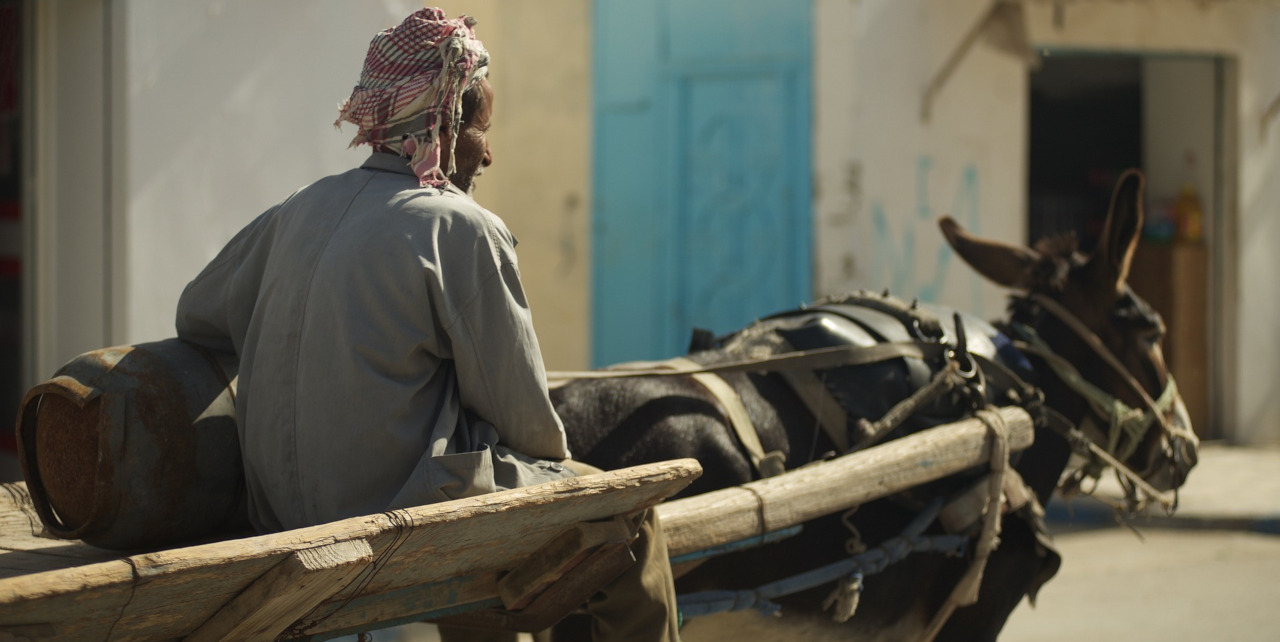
(472, 152)
(472, 148)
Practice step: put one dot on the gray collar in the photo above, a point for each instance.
(386, 162)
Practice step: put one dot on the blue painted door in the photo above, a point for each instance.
(701, 171)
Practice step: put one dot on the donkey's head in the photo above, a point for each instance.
(1096, 343)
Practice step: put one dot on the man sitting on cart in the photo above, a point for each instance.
(387, 353)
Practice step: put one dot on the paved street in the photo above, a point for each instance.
(1177, 585)
(1209, 572)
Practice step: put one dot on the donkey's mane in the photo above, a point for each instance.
(1057, 255)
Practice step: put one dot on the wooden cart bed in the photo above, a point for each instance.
(518, 559)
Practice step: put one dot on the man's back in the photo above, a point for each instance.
(387, 354)
(346, 303)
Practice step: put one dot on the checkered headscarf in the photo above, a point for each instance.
(412, 83)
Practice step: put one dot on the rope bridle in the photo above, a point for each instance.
(1125, 426)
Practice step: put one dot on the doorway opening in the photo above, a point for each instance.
(1094, 115)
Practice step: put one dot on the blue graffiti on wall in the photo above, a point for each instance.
(895, 251)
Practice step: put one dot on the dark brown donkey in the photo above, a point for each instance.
(1079, 349)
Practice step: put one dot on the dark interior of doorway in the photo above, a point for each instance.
(1086, 128)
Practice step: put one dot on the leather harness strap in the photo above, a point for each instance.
(1155, 409)
(817, 359)
(766, 464)
(821, 404)
(796, 368)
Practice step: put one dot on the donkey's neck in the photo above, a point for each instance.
(1041, 466)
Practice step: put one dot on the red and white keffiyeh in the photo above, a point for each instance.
(412, 84)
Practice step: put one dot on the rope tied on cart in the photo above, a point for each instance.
(402, 522)
(848, 571)
(849, 574)
(966, 590)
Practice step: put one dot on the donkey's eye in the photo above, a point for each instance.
(1154, 334)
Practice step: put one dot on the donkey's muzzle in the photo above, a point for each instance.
(1185, 454)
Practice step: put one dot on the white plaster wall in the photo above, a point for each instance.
(1178, 120)
(230, 107)
(883, 175)
(67, 290)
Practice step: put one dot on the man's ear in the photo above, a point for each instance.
(1001, 263)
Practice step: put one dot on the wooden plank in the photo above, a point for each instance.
(286, 592)
(17, 513)
(416, 603)
(557, 557)
(733, 514)
(23, 546)
(439, 558)
(14, 563)
(601, 566)
(461, 545)
(96, 592)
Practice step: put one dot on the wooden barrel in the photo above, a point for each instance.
(136, 447)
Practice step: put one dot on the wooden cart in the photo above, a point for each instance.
(518, 559)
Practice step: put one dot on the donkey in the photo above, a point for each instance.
(1076, 346)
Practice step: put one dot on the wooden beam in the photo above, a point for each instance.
(431, 558)
(737, 513)
(285, 593)
(601, 566)
(559, 556)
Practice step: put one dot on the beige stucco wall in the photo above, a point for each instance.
(541, 141)
(229, 104)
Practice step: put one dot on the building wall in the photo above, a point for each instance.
(228, 108)
(884, 173)
(217, 109)
(68, 285)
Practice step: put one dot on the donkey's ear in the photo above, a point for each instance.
(1007, 265)
(1114, 254)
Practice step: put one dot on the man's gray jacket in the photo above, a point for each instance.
(387, 355)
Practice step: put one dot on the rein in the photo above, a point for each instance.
(791, 365)
(1091, 338)
(1124, 421)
